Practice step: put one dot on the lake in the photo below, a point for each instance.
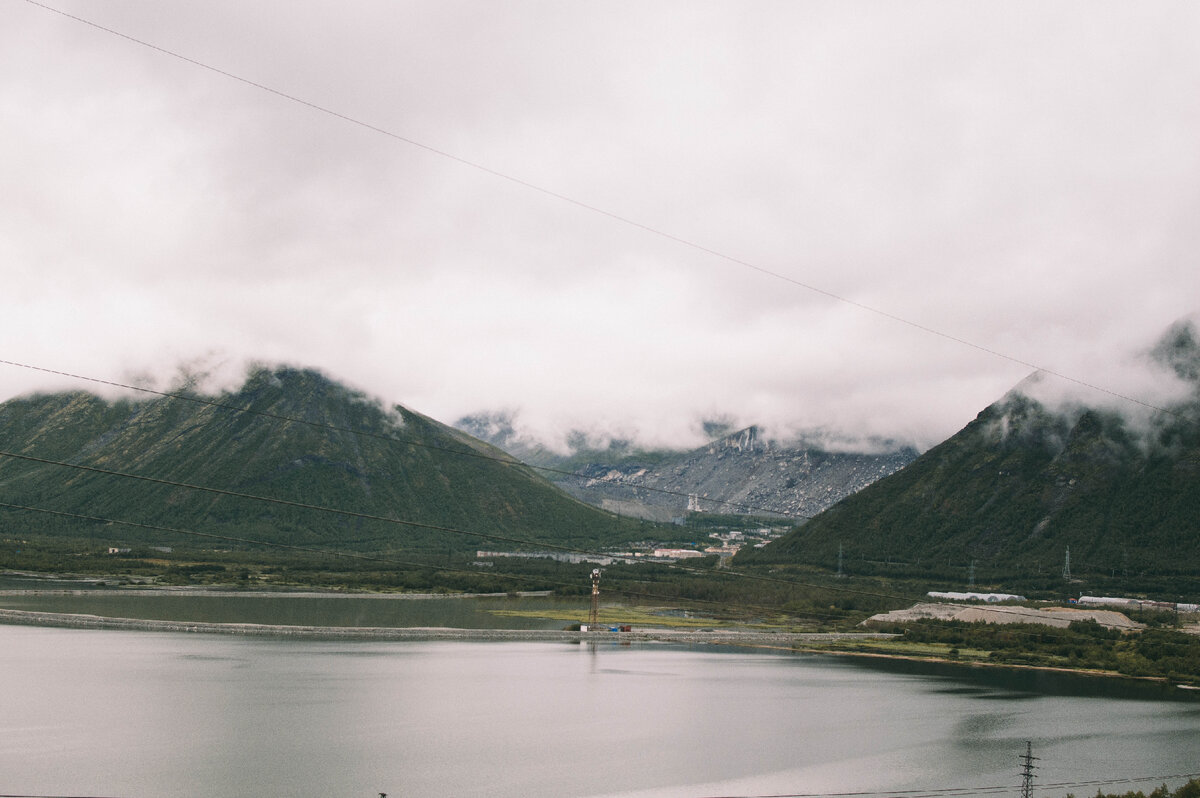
(373, 610)
(124, 714)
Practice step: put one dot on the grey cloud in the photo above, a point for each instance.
(1015, 175)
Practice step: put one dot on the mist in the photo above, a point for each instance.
(855, 220)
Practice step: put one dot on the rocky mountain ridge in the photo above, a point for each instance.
(742, 473)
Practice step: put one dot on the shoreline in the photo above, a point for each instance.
(793, 642)
(1091, 673)
(783, 640)
(790, 642)
(164, 590)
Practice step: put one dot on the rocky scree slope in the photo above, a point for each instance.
(740, 473)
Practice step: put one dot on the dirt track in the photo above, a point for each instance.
(725, 636)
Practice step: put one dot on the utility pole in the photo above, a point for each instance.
(1027, 770)
(594, 616)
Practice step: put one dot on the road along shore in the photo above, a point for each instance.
(734, 637)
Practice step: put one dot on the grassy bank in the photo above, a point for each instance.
(1085, 646)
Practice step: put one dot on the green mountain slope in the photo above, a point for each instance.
(1021, 484)
(406, 466)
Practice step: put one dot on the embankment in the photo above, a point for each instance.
(725, 636)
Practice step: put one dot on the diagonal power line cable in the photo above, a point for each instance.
(583, 205)
(613, 215)
(945, 792)
(507, 460)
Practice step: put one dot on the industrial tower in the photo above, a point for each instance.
(1027, 771)
(594, 616)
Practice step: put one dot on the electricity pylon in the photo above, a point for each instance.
(1027, 770)
(594, 616)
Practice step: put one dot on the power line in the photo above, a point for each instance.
(728, 572)
(625, 220)
(953, 791)
(565, 198)
(507, 460)
(935, 792)
(371, 517)
(1027, 770)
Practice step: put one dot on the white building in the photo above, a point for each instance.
(677, 554)
(990, 598)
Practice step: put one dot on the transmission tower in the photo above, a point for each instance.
(1027, 770)
(839, 573)
(1067, 565)
(971, 575)
(594, 615)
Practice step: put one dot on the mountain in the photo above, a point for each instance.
(1023, 483)
(396, 464)
(739, 473)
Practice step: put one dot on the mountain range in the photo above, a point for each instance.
(1025, 488)
(737, 473)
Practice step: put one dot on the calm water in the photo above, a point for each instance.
(345, 610)
(150, 714)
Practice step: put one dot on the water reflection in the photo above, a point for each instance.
(147, 713)
(972, 728)
(380, 611)
(1016, 684)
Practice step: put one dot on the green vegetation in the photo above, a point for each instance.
(701, 594)
(1189, 790)
(1011, 493)
(1022, 484)
(452, 492)
(797, 598)
(1084, 645)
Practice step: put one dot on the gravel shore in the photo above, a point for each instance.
(1060, 617)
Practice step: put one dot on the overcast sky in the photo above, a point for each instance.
(1021, 176)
